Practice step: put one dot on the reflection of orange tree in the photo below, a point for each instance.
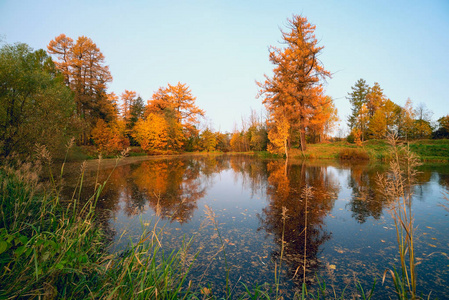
(172, 187)
(285, 186)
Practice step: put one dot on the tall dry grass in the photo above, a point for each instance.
(397, 187)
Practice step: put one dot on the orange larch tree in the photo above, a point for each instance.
(177, 105)
(128, 98)
(85, 72)
(291, 91)
(180, 100)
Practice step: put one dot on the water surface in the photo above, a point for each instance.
(346, 232)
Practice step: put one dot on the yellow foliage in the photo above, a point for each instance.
(109, 138)
(278, 135)
(152, 134)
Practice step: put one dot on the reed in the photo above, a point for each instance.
(396, 186)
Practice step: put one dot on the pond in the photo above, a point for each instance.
(342, 232)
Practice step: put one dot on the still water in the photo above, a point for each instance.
(257, 203)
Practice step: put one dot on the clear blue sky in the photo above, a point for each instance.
(220, 48)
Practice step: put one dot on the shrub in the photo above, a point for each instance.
(353, 154)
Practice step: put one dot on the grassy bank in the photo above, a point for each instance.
(375, 150)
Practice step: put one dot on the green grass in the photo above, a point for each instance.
(431, 150)
(377, 150)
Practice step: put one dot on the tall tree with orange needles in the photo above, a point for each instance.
(291, 91)
(85, 72)
(128, 99)
(180, 100)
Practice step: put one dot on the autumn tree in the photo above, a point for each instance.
(291, 92)
(223, 141)
(110, 138)
(385, 119)
(128, 98)
(111, 108)
(176, 135)
(238, 142)
(378, 125)
(357, 98)
(35, 105)
(152, 134)
(180, 100)
(423, 117)
(208, 140)
(84, 70)
(323, 120)
(279, 134)
(375, 99)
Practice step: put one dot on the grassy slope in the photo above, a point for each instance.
(427, 150)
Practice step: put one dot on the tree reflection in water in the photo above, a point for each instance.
(171, 187)
(285, 185)
(366, 201)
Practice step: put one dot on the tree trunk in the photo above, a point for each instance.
(286, 148)
(302, 135)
